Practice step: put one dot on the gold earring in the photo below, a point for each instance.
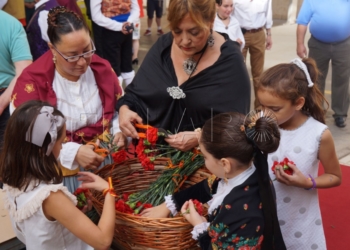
(225, 179)
(54, 59)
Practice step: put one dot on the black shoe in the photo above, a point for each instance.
(135, 61)
(340, 122)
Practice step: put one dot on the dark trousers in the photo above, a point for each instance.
(339, 55)
(116, 48)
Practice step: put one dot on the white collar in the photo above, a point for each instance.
(225, 188)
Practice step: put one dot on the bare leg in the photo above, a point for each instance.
(149, 22)
(135, 48)
(158, 22)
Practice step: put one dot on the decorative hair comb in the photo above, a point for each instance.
(249, 125)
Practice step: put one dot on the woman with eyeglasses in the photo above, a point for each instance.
(77, 82)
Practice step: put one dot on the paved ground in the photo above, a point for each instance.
(283, 50)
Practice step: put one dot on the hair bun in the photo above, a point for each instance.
(262, 130)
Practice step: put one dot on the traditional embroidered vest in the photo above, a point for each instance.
(37, 45)
(112, 8)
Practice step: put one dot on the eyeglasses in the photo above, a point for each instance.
(77, 57)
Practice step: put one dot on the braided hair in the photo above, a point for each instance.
(62, 21)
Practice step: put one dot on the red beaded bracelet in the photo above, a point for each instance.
(313, 183)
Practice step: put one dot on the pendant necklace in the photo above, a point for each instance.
(222, 19)
(190, 65)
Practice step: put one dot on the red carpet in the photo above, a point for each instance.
(335, 209)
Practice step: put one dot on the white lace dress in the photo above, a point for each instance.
(30, 224)
(298, 209)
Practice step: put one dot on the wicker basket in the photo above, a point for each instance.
(135, 232)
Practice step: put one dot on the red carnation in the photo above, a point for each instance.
(152, 135)
(147, 164)
(198, 206)
(284, 165)
(125, 196)
(147, 205)
(119, 156)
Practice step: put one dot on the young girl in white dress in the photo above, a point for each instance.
(291, 92)
(42, 211)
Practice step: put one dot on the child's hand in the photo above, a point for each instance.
(88, 206)
(192, 216)
(160, 211)
(298, 179)
(92, 181)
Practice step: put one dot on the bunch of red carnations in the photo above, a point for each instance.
(284, 165)
(124, 205)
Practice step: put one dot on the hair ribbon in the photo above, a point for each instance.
(298, 62)
(45, 123)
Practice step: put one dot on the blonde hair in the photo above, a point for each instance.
(201, 12)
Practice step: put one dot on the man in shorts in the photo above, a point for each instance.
(157, 6)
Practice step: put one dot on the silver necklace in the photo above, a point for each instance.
(189, 65)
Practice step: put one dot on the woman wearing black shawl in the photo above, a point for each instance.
(188, 76)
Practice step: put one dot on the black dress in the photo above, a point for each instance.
(222, 87)
(239, 222)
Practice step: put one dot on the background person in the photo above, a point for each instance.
(14, 56)
(255, 18)
(154, 6)
(136, 36)
(189, 75)
(225, 22)
(330, 41)
(114, 39)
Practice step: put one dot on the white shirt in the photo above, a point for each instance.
(42, 20)
(101, 20)
(30, 223)
(233, 30)
(81, 104)
(253, 14)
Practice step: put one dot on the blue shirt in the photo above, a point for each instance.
(329, 20)
(14, 47)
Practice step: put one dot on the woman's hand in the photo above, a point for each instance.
(92, 181)
(239, 41)
(183, 141)
(298, 179)
(126, 120)
(120, 140)
(160, 211)
(87, 158)
(190, 213)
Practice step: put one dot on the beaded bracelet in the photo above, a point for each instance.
(110, 189)
(313, 183)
